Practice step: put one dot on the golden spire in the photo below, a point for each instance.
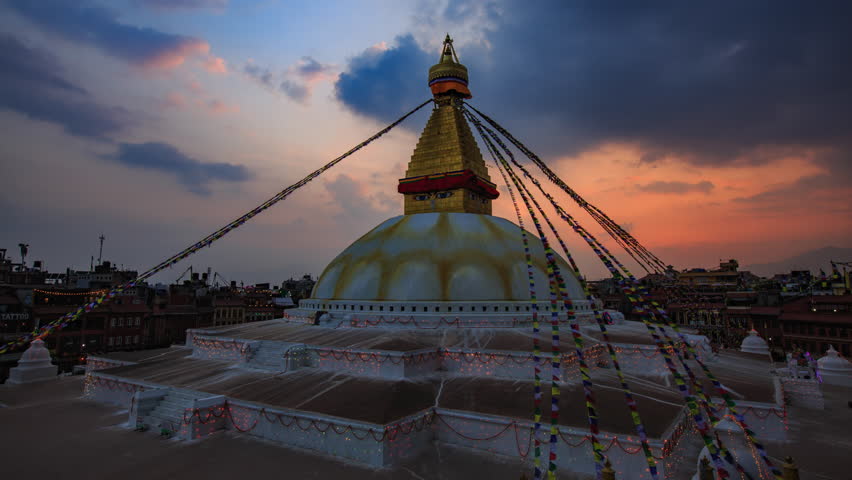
(446, 172)
(449, 75)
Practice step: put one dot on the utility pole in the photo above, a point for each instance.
(101, 250)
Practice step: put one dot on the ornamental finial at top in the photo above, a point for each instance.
(449, 77)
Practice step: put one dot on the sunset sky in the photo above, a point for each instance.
(714, 131)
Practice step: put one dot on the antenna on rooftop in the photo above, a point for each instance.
(101, 250)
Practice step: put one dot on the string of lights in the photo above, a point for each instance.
(70, 294)
(44, 330)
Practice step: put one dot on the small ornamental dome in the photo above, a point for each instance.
(754, 344)
(833, 363)
(448, 75)
(37, 353)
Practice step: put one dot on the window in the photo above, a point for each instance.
(401, 309)
(391, 308)
(112, 322)
(136, 339)
(127, 339)
(118, 340)
(111, 341)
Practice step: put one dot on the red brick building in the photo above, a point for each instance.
(813, 323)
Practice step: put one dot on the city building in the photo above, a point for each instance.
(814, 323)
(104, 275)
(229, 310)
(298, 289)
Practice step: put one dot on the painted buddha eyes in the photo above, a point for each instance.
(421, 198)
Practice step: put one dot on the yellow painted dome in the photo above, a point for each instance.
(445, 257)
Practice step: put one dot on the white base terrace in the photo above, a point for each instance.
(377, 395)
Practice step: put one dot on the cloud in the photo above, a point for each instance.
(191, 173)
(32, 84)
(219, 107)
(297, 81)
(184, 4)
(825, 192)
(86, 23)
(215, 65)
(677, 188)
(706, 84)
(259, 74)
(355, 204)
(384, 83)
(174, 100)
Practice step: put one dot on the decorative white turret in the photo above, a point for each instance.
(33, 366)
(835, 369)
(754, 344)
(735, 441)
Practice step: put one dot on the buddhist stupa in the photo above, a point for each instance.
(447, 247)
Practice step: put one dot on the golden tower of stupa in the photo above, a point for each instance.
(446, 172)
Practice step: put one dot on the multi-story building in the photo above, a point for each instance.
(298, 289)
(189, 305)
(813, 323)
(119, 324)
(259, 307)
(229, 310)
(726, 277)
(102, 276)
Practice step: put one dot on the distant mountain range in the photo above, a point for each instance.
(813, 260)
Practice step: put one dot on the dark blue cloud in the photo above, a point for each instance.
(707, 82)
(309, 66)
(384, 84)
(31, 83)
(82, 21)
(677, 188)
(184, 4)
(191, 173)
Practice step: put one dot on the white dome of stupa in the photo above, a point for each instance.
(835, 369)
(37, 353)
(33, 366)
(754, 344)
(442, 257)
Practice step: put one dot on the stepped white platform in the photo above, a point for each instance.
(380, 395)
